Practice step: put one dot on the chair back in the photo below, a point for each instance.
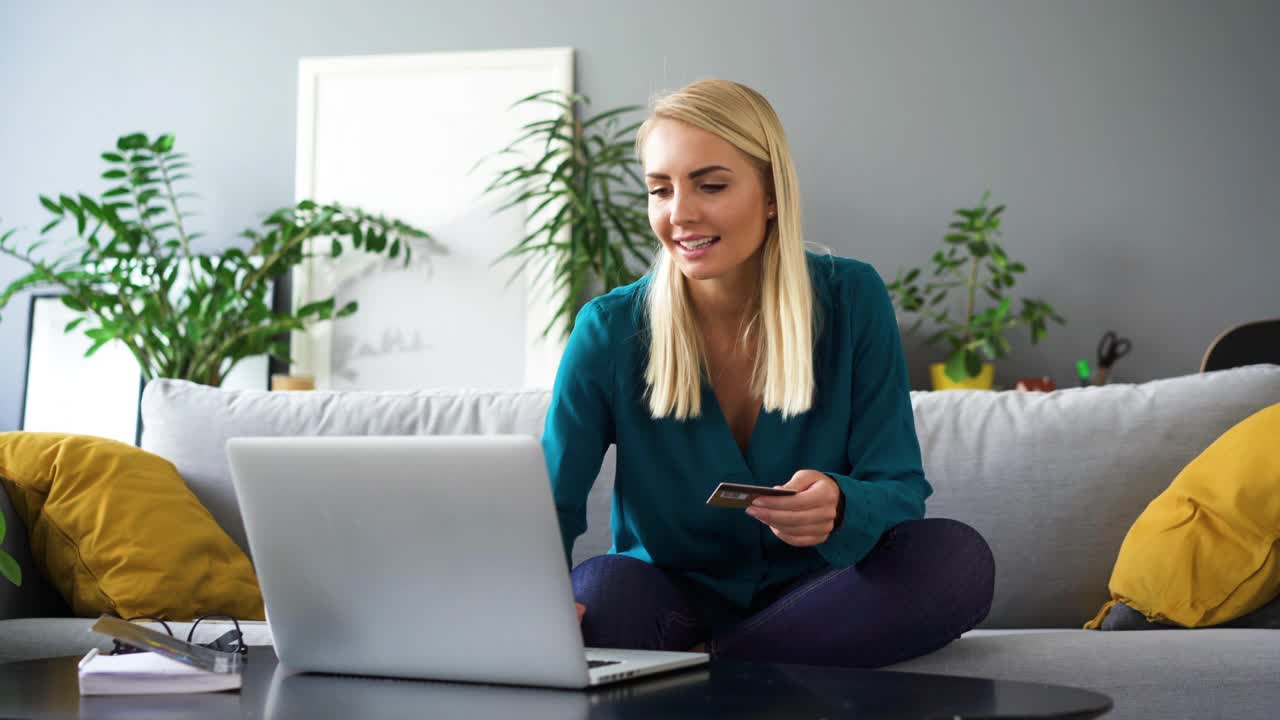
(1249, 344)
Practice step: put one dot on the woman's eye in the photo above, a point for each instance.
(709, 187)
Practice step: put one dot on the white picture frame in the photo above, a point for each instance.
(67, 392)
(401, 135)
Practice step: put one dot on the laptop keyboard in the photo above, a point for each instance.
(592, 664)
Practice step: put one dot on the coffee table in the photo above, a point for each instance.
(48, 689)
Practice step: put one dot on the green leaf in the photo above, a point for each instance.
(136, 141)
(321, 308)
(3, 529)
(163, 144)
(9, 568)
(115, 174)
(335, 249)
(1002, 310)
(972, 363)
(51, 206)
(74, 324)
(956, 367)
(95, 347)
(100, 334)
(112, 157)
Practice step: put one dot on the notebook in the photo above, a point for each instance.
(147, 673)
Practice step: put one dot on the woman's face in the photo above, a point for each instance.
(707, 204)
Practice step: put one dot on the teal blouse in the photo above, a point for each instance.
(860, 431)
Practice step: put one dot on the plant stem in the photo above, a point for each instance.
(173, 204)
(251, 280)
(973, 287)
(219, 354)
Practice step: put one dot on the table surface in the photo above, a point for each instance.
(49, 689)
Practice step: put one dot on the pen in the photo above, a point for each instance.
(1082, 370)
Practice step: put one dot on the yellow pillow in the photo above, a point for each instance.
(116, 529)
(1204, 551)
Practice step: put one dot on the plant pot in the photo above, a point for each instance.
(985, 379)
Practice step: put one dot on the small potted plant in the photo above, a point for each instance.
(972, 261)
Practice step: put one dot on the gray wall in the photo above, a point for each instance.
(1134, 142)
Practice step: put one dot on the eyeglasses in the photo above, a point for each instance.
(232, 641)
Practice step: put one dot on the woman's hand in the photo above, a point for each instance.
(582, 610)
(806, 518)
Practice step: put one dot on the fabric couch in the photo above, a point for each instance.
(1053, 481)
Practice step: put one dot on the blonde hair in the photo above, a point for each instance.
(783, 320)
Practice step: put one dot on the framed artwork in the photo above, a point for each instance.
(414, 137)
(66, 392)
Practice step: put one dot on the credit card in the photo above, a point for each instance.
(738, 496)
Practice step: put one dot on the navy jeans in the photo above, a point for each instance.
(924, 583)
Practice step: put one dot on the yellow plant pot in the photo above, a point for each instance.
(984, 381)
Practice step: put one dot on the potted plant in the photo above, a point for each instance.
(9, 568)
(591, 219)
(133, 273)
(971, 260)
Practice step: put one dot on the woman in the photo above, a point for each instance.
(742, 358)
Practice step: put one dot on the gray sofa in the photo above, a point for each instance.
(1053, 482)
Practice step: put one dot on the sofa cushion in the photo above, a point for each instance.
(1205, 673)
(1204, 551)
(189, 424)
(1053, 481)
(116, 530)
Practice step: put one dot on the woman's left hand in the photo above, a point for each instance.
(806, 518)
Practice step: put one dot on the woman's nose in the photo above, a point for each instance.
(684, 209)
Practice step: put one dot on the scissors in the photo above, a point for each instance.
(1110, 349)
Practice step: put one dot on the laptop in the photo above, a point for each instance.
(430, 557)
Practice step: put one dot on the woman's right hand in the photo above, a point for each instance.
(582, 610)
